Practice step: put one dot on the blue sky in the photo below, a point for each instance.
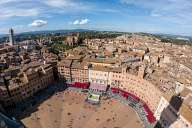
(156, 16)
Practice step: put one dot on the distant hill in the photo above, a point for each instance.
(25, 35)
(54, 31)
(3, 35)
(34, 33)
(179, 37)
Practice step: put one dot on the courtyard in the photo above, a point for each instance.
(68, 109)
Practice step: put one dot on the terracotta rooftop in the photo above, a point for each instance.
(107, 61)
(106, 69)
(72, 64)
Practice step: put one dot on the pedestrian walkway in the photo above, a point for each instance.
(137, 106)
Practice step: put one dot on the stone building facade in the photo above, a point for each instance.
(113, 77)
(137, 86)
(28, 82)
(174, 110)
(73, 71)
(99, 75)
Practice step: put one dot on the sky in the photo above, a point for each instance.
(153, 16)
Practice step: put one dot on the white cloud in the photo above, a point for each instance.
(76, 22)
(81, 22)
(43, 8)
(84, 21)
(18, 12)
(3, 2)
(68, 5)
(17, 8)
(38, 23)
(60, 3)
(177, 11)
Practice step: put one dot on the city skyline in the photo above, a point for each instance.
(135, 80)
(165, 16)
